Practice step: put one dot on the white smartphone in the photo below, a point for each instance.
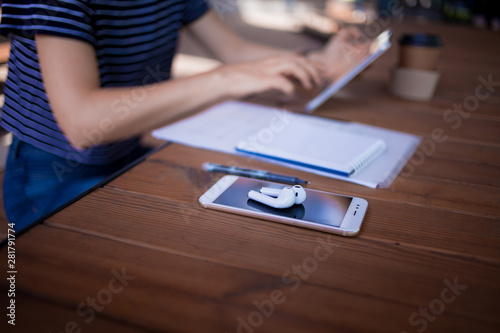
(324, 211)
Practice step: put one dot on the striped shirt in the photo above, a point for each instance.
(134, 40)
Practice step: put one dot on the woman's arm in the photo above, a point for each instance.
(225, 44)
(71, 78)
(337, 54)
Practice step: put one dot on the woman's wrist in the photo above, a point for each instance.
(224, 82)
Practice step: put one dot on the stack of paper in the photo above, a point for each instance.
(230, 125)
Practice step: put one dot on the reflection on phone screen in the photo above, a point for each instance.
(295, 212)
(320, 207)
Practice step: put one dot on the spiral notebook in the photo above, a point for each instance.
(315, 145)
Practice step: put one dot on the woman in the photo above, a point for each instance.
(88, 77)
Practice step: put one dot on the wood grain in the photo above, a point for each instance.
(125, 215)
(454, 195)
(43, 315)
(170, 289)
(200, 270)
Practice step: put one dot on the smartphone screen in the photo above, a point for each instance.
(320, 207)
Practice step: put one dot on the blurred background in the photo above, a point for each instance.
(309, 23)
(480, 13)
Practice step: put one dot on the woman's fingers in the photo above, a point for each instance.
(279, 73)
(297, 67)
(350, 34)
(312, 70)
(282, 84)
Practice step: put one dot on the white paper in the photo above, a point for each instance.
(221, 127)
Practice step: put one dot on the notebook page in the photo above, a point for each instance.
(316, 144)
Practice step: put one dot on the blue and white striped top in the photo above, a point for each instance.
(135, 41)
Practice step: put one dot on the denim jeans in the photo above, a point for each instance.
(37, 182)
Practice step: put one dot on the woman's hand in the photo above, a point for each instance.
(342, 52)
(274, 73)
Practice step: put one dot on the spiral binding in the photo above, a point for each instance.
(368, 156)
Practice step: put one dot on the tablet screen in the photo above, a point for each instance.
(359, 59)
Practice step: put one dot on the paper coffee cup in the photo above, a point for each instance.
(416, 77)
(414, 84)
(419, 51)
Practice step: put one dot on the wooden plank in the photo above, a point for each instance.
(377, 98)
(167, 293)
(386, 223)
(200, 270)
(455, 197)
(170, 290)
(39, 315)
(149, 178)
(484, 131)
(460, 152)
(472, 173)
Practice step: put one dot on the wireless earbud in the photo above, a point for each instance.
(300, 193)
(279, 198)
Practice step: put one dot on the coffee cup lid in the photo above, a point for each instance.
(421, 39)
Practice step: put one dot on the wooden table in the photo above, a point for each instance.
(140, 254)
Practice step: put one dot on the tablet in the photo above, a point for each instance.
(377, 48)
(306, 101)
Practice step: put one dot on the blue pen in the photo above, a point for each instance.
(257, 174)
